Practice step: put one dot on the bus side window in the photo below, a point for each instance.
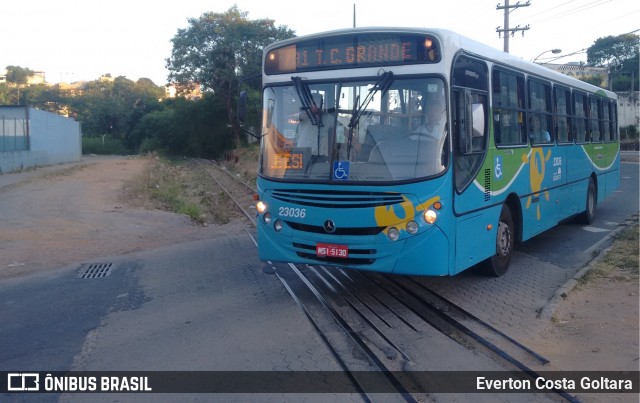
(508, 109)
(580, 118)
(594, 119)
(562, 110)
(606, 130)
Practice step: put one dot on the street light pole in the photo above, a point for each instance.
(554, 51)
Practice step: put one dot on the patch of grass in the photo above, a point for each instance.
(243, 163)
(182, 187)
(621, 261)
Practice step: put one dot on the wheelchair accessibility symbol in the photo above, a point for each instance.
(341, 170)
(498, 168)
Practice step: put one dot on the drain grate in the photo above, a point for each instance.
(95, 270)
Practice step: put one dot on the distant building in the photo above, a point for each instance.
(36, 78)
(170, 91)
(580, 71)
(628, 109)
(72, 89)
(189, 90)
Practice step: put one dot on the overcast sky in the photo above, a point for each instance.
(72, 40)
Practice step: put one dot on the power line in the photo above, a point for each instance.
(625, 15)
(552, 8)
(579, 9)
(577, 52)
(563, 13)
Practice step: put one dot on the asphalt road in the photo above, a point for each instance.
(570, 244)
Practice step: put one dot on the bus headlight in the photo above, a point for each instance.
(393, 234)
(261, 207)
(278, 225)
(430, 216)
(267, 218)
(412, 227)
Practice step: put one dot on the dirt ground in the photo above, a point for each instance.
(63, 217)
(50, 220)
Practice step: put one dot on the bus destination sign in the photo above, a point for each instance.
(348, 51)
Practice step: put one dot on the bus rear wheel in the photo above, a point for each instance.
(498, 264)
(590, 205)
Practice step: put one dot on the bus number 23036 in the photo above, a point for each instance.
(292, 212)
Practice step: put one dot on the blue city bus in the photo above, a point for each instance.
(422, 152)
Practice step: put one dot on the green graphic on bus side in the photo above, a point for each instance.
(602, 155)
(502, 170)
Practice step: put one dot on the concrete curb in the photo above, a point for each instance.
(547, 311)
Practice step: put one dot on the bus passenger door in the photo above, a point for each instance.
(472, 177)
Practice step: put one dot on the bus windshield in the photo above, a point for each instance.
(383, 129)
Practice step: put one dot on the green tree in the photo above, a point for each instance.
(613, 50)
(186, 128)
(41, 96)
(18, 75)
(622, 55)
(5, 94)
(115, 107)
(218, 49)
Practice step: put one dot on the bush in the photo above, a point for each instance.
(629, 140)
(104, 145)
(185, 128)
(150, 145)
(629, 132)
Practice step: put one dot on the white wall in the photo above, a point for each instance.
(628, 109)
(53, 139)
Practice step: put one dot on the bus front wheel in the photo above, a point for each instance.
(498, 264)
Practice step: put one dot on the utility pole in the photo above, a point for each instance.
(506, 31)
(354, 15)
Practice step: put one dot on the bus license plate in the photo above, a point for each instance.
(331, 250)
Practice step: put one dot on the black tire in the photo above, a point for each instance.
(589, 213)
(498, 264)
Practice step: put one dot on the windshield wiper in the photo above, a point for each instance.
(308, 104)
(382, 84)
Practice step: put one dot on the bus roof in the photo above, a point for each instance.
(451, 43)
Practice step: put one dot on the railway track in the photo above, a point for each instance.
(239, 192)
(392, 325)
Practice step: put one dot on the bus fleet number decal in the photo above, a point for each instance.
(292, 212)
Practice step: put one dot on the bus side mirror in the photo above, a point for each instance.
(242, 106)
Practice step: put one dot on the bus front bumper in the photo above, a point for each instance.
(425, 254)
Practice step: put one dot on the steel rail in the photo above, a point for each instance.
(235, 201)
(354, 336)
(539, 357)
(465, 330)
